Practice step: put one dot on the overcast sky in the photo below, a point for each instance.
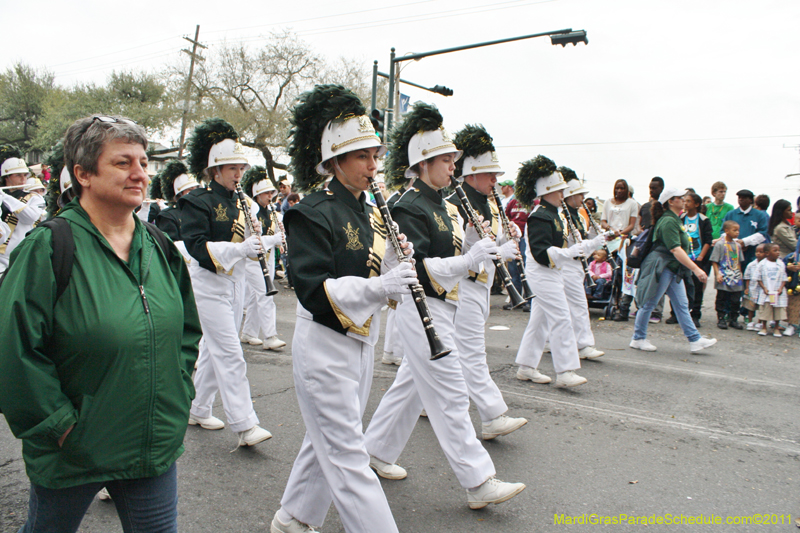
(694, 91)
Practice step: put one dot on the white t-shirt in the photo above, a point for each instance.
(619, 216)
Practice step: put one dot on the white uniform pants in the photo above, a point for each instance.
(440, 388)
(578, 307)
(220, 365)
(550, 318)
(391, 338)
(333, 375)
(471, 317)
(261, 310)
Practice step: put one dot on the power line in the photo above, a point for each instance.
(113, 53)
(649, 141)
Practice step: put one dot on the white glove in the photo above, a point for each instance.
(509, 251)
(397, 280)
(270, 241)
(251, 246)
(483, 250)
(591, 245)
(471, 234)
(390, 260)
(515, 231)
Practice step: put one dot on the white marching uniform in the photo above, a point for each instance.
(27, 211)
(574, 277)
(261, 312)
(391, 338)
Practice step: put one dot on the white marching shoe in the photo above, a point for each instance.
(253, 436)
(212, 422)
(387, 470)
(492, 491)
(569, 379)
(590, 352)
(526, 373)
(390, 358)
(249, 339)
(273, 343)
(502, 425)
(294, 526)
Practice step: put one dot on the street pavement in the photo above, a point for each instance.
(654, 435)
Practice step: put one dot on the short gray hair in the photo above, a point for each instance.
(86, 138)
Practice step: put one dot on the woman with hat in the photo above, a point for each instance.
(549, 253)
(664, 271)
(260, 311)
(217, 237)
(479, 169)
(175, 183)
(21, 210)
(342, 279)
(422, 148)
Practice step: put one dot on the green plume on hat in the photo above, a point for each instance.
(166, 177)
(423, 117)
(205, 135)
(315, 108)
(55, 160)
(154, 189)
(530, 171)
(473, 140)
(567, 173)
(7, 151)
(251, 177)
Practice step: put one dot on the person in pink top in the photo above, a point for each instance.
(601, 273)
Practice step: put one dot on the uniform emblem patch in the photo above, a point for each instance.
(352, 238)
(440, 222)
(222, 213)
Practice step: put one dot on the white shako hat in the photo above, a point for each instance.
(14, 165)
(227, 152)
(485, 162)
(348, 134)
(263, 186)
(428, 144)
(33, 184)
(552, 183)
(64, 180)
(183, 182)
(575, 187)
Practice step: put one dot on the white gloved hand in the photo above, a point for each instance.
(270, 241)
(515, 231)
(509, 251)
(471, 234)
(397, 280)
(591, 245)
(390, 260)
(483, 250)
(251, 247)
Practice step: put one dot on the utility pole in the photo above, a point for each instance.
(194, 55)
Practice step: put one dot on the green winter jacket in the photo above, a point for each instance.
(113, 357)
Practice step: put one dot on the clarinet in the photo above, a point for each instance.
(578, 239)
(417, 291)
(262, 257)
(527, 294)
(613, 264)
(273, 215)
(513, 293)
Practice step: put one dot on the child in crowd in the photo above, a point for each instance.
(771, 276)
(752, 289)
(600, 270)
(728, 274)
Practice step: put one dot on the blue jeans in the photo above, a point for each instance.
(672, 287)
(146, 504)
(513, 270)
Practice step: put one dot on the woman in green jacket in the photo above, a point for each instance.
(97, 381)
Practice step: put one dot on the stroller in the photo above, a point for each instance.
(612, 292)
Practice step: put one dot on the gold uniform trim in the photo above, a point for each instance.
(438, 288)
(448, 145)
(344, 320)
(474, 168)
(335, 147)
(217, 264)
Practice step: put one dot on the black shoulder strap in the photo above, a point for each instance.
(161, 238)
(63, 252)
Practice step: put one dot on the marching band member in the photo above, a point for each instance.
(392, 347)
(216, 236)
(59, 188)
(573, 272)
(175, 183)
(422, 148)
(21, 210)
(261, 314)
(342, 279)
(479, 167)
(548, 252)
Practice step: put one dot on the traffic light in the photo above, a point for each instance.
(441, 89)
(573, 37)
(377, 117)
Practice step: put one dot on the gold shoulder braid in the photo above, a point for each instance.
(458, 239)
(378, 248)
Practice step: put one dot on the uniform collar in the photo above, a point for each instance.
(475, 197)
(219, 189)
(345, 195)
(428, 192)
(547, 206)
